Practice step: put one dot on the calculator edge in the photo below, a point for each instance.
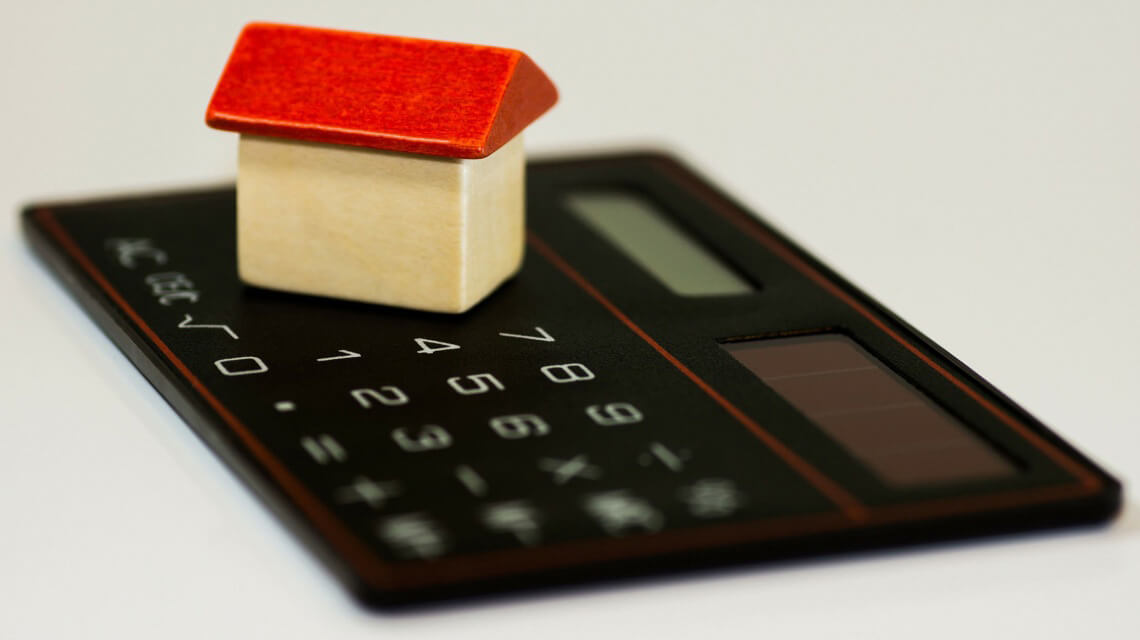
(203, 420)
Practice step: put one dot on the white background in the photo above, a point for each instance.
(973, 165)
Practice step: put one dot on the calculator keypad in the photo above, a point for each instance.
(461, 459)
(535, 419)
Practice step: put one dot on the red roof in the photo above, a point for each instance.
(384, 92)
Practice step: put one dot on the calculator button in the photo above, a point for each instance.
(413, 535)
(187, 324)
(566, 373)
(540, 335)
(614, 413)
(129, 250)
(388, 395)
(171, 287)
(563, 471)
(364, 489)
(429, 346)
(659, 454)
(324, 449)
(342, 354)
(241, 366)
(712, 498)
(474, 384)
(523, 425)
(471, 480)
(427, 438)
(517, 518)
(620, 512)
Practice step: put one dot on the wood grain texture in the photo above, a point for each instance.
(423, 232)
(384, 92)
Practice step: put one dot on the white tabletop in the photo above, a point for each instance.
(972, 165)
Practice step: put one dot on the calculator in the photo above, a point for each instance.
(667, 384)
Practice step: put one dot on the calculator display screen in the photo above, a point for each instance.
(645, 234)
(901, 435)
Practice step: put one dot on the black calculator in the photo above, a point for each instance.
(667, 384)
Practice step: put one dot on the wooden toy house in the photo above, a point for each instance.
(378, 168)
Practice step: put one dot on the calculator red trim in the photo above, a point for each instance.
(852, 514)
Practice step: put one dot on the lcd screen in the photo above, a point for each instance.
(882, 420)
(645, 234)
